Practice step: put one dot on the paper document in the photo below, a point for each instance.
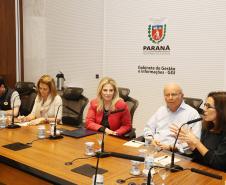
(23, 124)
(134, 143)
(165, 160)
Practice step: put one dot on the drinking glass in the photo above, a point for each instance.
(135, 170)
(148, 140)
(163, 173)
(142, 152)
(89, 148)
(41, 132)
(99, 137)
(3, 119)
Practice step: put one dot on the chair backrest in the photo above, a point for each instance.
(194, 102)
(74, 104)
(131, 102)
(27, 92)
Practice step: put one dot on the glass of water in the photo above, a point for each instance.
(163, 173)
(2, 119)
(99, 137)
(41, 131)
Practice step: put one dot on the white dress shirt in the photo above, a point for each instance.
(159, 124)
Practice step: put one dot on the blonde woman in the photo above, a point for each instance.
(108, 112)
(47, 102)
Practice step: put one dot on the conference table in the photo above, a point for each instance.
(44, 161)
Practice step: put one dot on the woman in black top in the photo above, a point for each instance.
(211, 149)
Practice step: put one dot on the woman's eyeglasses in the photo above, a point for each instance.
(208, 106)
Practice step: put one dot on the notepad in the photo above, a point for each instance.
(165, 160)
(134, 143)
(81, 132)
(23, 124)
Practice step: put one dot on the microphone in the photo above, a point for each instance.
(119, 155)
(206, 173)
(102, 153)
(192, 121)
(102, 142)
(149, 172)
(97, 165)
(12, 125)
(99, 155)
(173, 167)
(55, 136)
(126, 156)
(200, 111)
(149, 177)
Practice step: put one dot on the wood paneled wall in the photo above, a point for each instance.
(8, 41)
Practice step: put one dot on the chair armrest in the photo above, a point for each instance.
(131, 134)
(140, 138)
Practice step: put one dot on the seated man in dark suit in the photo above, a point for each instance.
(8, 97)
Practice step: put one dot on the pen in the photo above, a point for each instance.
(161, 158)
(135, 141)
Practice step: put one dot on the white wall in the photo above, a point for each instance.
(195, 34)
(74, 34)
(106, 37)
(34, 39)
(67, 36)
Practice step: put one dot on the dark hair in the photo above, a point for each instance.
(2, 81)
(219, 98)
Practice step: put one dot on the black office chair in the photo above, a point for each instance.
(132, 104)
(74, 104)
(195, 103)
(27, 92)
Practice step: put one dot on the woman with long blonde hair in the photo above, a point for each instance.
(107, 112)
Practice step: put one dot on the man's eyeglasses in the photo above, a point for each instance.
(208, 106)
(172, 94)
